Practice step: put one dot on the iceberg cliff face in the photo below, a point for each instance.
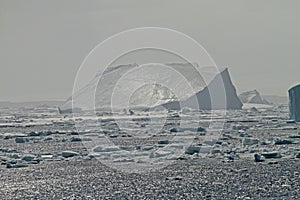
(252, 97)
(137, 83)
(219, 94)
(294, 96)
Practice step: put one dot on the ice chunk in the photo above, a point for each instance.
(259, 158)
(193, 149)
(240, 127)
(250, 141)
(274, 154)
(106, 149)
(21, 139)
(67, 154)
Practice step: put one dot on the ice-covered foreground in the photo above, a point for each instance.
(149, 143)
(150, 138)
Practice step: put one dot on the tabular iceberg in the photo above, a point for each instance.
(294, 95)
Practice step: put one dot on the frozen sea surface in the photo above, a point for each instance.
(150, 155)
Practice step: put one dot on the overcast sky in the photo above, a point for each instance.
(43, 42)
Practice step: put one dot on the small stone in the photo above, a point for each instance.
(297, 155)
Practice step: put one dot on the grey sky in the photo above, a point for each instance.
(42, 43)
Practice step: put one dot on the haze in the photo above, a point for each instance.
(42, 43)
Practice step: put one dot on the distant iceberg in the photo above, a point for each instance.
(294, 96)
(252, 97)
(277, 100)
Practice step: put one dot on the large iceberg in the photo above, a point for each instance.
(183, 85)
(294, 95)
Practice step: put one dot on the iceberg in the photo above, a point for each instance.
(252, 97)
(188, 84)
(294, 104)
